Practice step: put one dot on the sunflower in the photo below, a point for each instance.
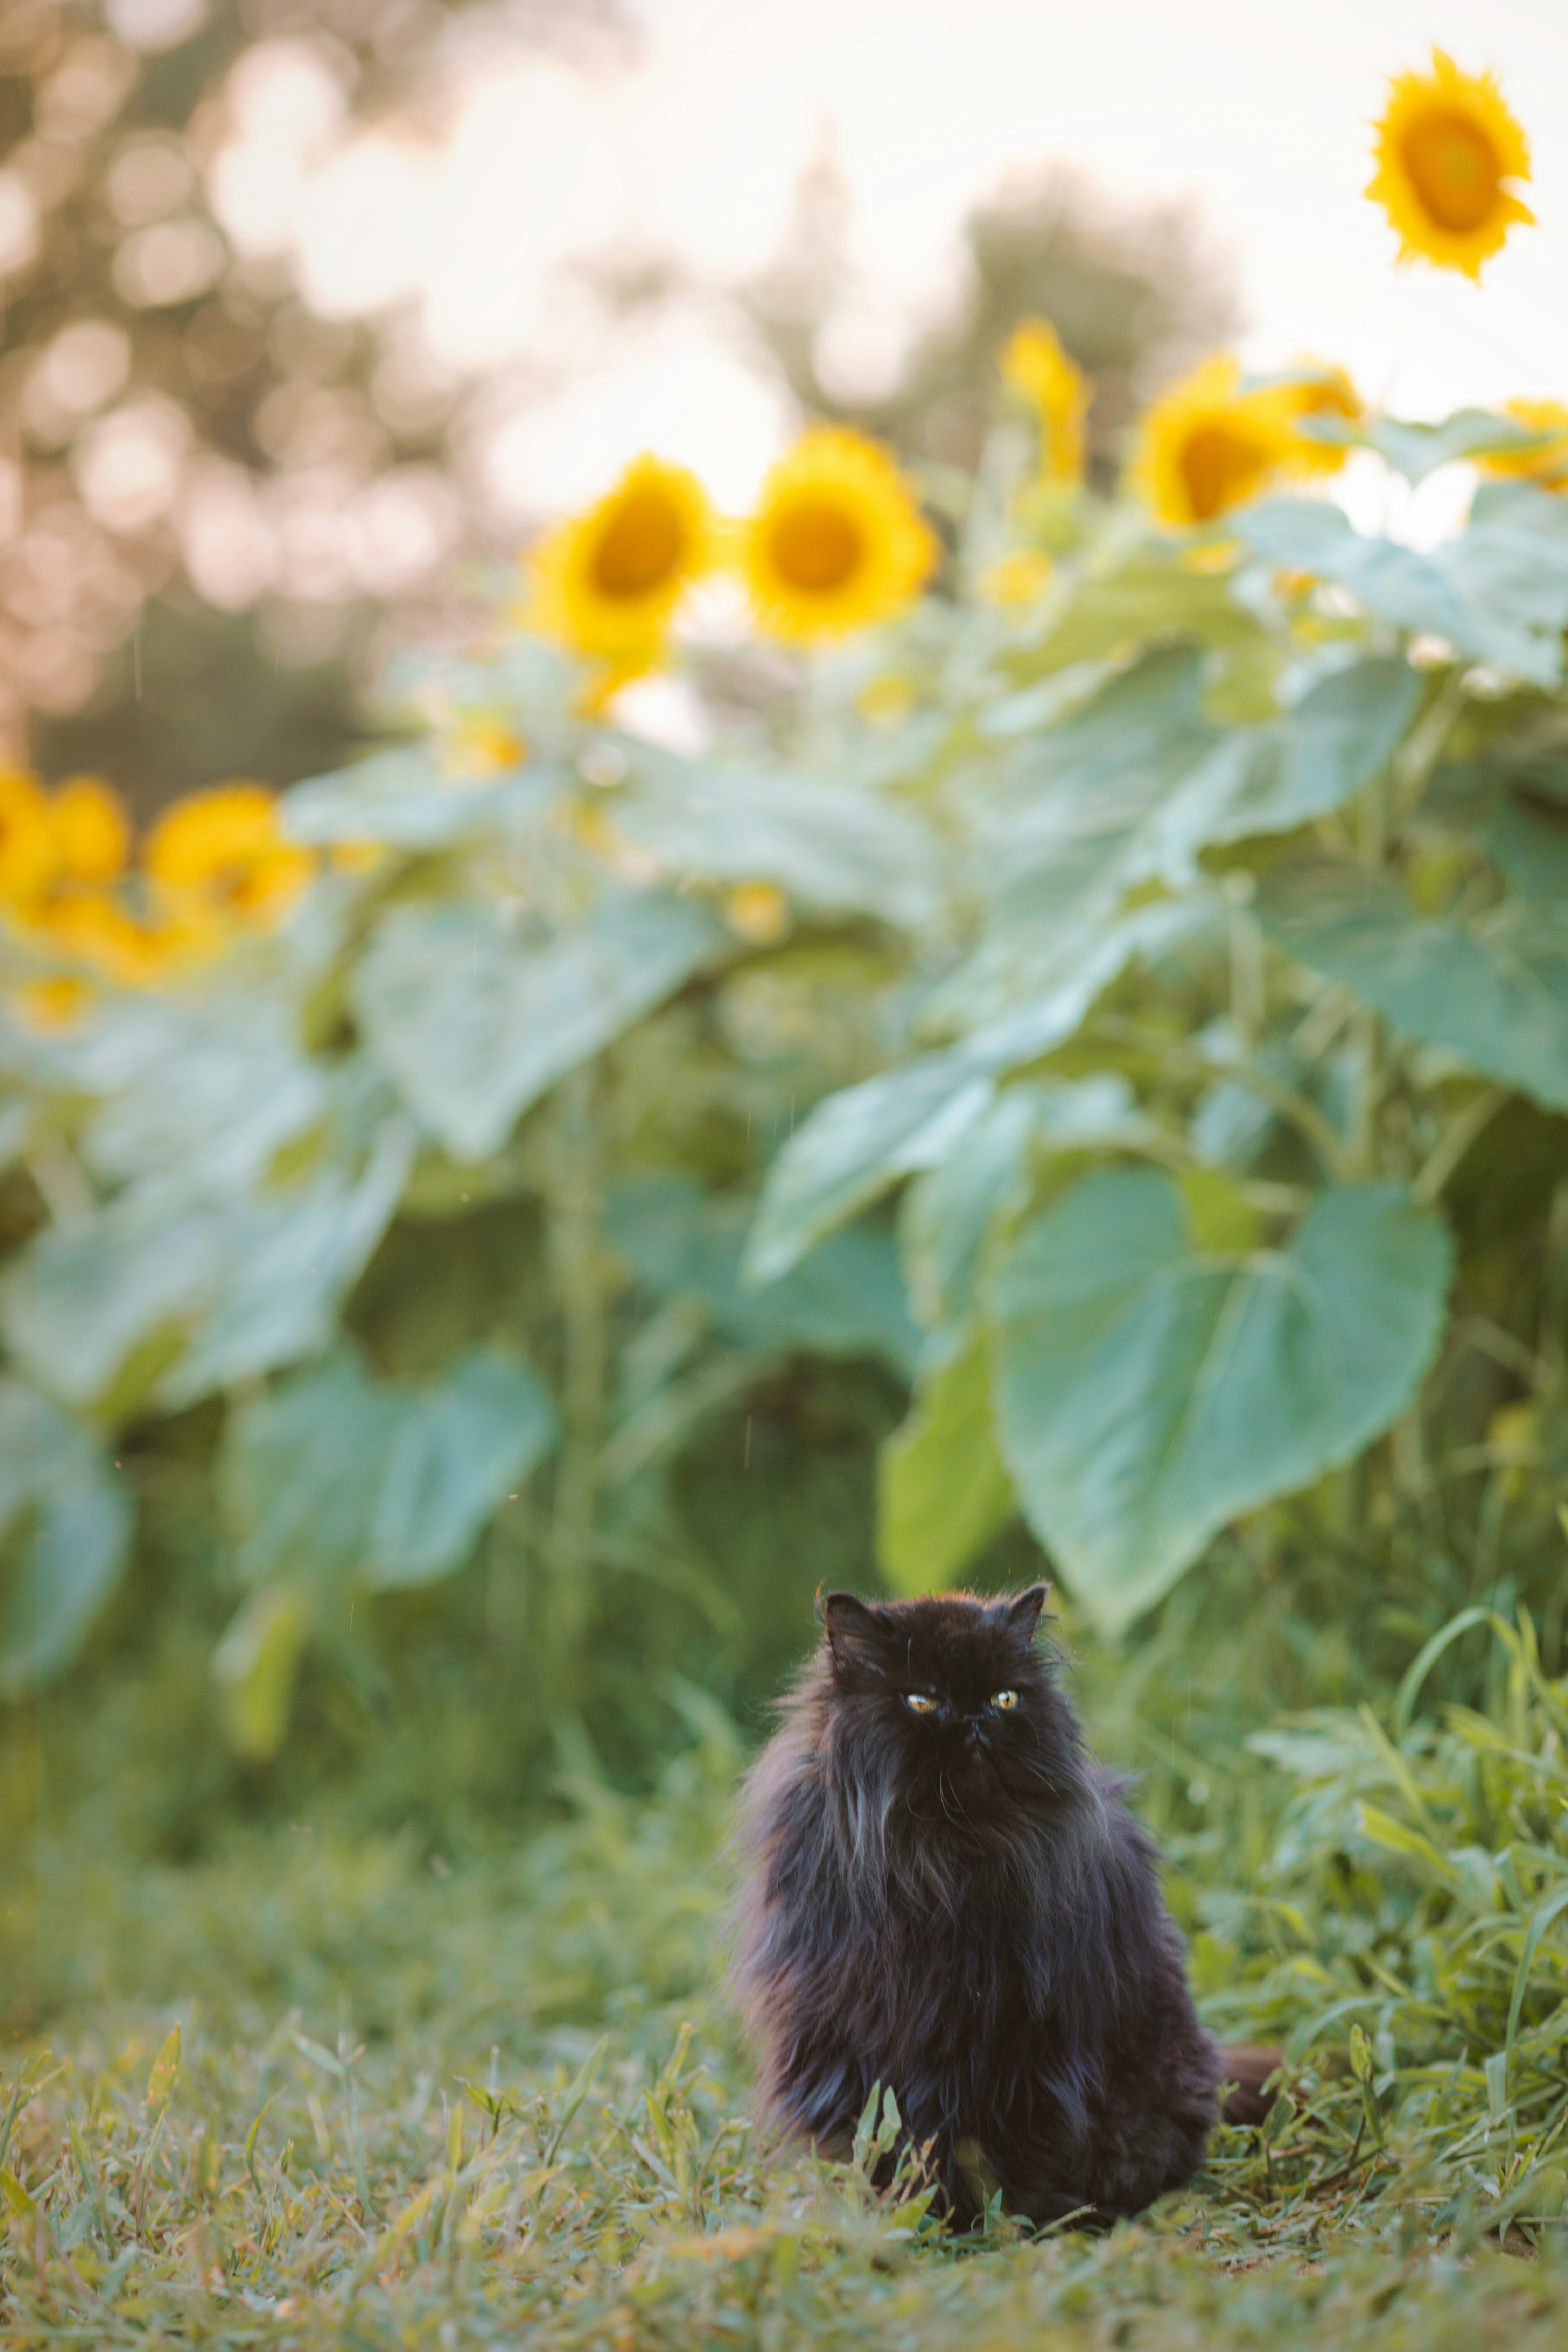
(1314, 391)
(1547, 464)
(1017, 579)
(836, 542)
(50, 1004)
(1038, 371)
(1445, 144)
(224, 851)
(90, 830)
(479, 749)
(1208, 446)
(28, 851)
(759, 911)
(606, 583)
(92, 930)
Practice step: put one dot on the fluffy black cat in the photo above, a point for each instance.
(946, 1893)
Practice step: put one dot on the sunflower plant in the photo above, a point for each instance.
(1098, 972)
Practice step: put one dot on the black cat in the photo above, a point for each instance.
(946, 1893)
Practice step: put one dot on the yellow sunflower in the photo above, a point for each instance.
(1314, 391)
(606, 583)
(836, 542)
(1207, 445)
(224, 851)
(1547, 464)
(1017, 579)
(90, 830)
(50, 1004)
(479, 749)
(1038, 371)
(1445, 145)
(28, 851)
(90, 929)
(759, 911)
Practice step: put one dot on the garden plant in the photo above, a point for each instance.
(1060, 992)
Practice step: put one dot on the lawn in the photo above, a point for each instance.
(329, 2087)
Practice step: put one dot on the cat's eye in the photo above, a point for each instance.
(1004, 1701)
(918, 1703)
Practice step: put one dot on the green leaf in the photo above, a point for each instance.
(1342, 733)
(942, 1489)
(40, 1448)
(165, 2074)
(285, 1263)
(856, 1144)
(1142, 602)
(1149, 1392)
(1498, 593)
(246, 1282)
(334, 1476)
(1528, 844)
(947, 1214)
(474, 1025)
(254, 1665)
(75, 1304)
(845, 1297)
(827, 845)
(407, 800)
(1078, 814)
(1493, 989)
(203, 1095)
(77, 1547)
(17, 2197)
(455, 1454)
(1417, 450)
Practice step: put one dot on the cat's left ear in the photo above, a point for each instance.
(1024, 1611)
(854, 1634)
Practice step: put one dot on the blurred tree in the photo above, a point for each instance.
(210, 495)
(1135, 295)
(216, 503)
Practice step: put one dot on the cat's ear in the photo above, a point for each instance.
(854, 1634)
(1024, 1611)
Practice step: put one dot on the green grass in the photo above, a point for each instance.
(498, 2100)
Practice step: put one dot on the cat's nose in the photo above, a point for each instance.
(975, 1729)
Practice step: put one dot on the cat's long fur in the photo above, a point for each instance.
(966, 1910)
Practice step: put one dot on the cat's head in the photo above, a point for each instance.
(947, 1704)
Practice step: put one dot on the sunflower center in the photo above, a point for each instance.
(816, 546)
(1219, 468)
(1453, 168)
(641, 548)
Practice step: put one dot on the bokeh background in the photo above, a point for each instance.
(309, 309)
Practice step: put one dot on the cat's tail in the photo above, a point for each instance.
(1244, 2068)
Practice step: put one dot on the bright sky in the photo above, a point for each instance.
(1258, 113)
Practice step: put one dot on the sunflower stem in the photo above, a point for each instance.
(576, 1184)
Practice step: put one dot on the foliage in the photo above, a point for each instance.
(1234, 867)
(502, 2096)
(222, 1181)
(1414, 1900)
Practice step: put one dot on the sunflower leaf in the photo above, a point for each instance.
(474, 1025)
(1493, 989)
(834, 849)
(1417, 450)
(1498, 593)
(1148, 1392)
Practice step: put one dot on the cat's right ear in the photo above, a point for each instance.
(853, 1634)
(1024, 1611)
